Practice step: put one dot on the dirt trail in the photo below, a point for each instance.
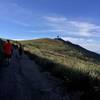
(22, 80)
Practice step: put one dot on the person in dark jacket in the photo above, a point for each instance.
(1, 53)
(20, 50)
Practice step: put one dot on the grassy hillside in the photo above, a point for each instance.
(78, 68)
(66, 53)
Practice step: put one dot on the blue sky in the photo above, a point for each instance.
(74, 20)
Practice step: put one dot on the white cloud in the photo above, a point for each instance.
(55, 19)
(29, 38)
(92, 46)
(80, 41)
(89, 44)
(78, 28)
(18, 39)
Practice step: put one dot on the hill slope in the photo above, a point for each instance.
(78, 68)
(64, 52)
(63, 47)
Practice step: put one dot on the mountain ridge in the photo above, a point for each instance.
(80, 48)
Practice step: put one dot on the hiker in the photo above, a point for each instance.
(20, 50)
(16, 51)
(8, 51)
(1, 53)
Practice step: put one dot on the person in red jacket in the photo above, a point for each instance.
(8, 50)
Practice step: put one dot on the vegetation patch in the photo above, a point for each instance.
(78, 68)
(72, 80)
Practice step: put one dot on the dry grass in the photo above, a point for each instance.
(69, 62)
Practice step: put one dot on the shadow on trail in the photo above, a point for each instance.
(72, 80)
(3, 68)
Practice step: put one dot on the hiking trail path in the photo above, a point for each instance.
(22, 80)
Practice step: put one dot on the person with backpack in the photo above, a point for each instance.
(20, 50)
(8, 51)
